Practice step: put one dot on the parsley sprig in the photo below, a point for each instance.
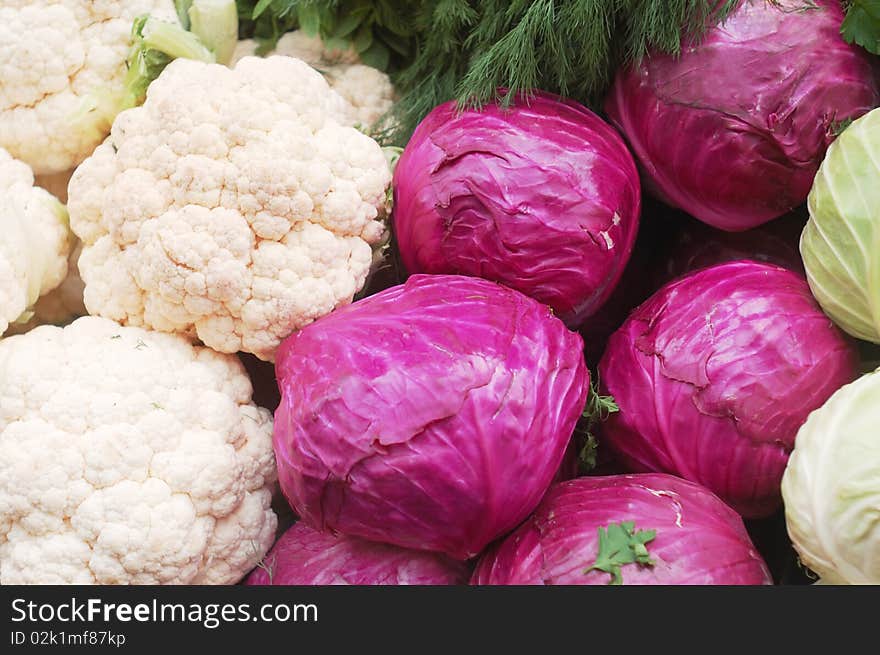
(597, 410)
(619, 545)
(862, 24)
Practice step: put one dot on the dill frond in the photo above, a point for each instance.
(440, 50)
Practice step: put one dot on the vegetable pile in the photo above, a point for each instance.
(444, 292)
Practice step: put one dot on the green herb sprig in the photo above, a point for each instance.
(619, 545)
(439, 50)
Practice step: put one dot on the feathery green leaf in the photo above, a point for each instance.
(439, 50)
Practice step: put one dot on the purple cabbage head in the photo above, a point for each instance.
(697, 538)
(715, 373)
(670, 244)
(432, 415)
(733, 130)
(542, 197)
(304, 556)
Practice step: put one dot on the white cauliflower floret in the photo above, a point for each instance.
(233, 205)
(61, 305)
(54, 54)
(129, 457)
(64, 303)
(369, 91)
(35, 245)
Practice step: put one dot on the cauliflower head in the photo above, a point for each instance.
(129, 457)
(233, 205)
(368, 91)
(53, 54)
(35, 245)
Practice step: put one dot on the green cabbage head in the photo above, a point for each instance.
(840, 244)
(831, 486)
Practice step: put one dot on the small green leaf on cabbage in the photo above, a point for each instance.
(620, 544)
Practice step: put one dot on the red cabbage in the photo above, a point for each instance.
(715, 373)
(303, 556)
(733, 130)
(432, 415)
(698, 539)
(543, 197)
(670, 244)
